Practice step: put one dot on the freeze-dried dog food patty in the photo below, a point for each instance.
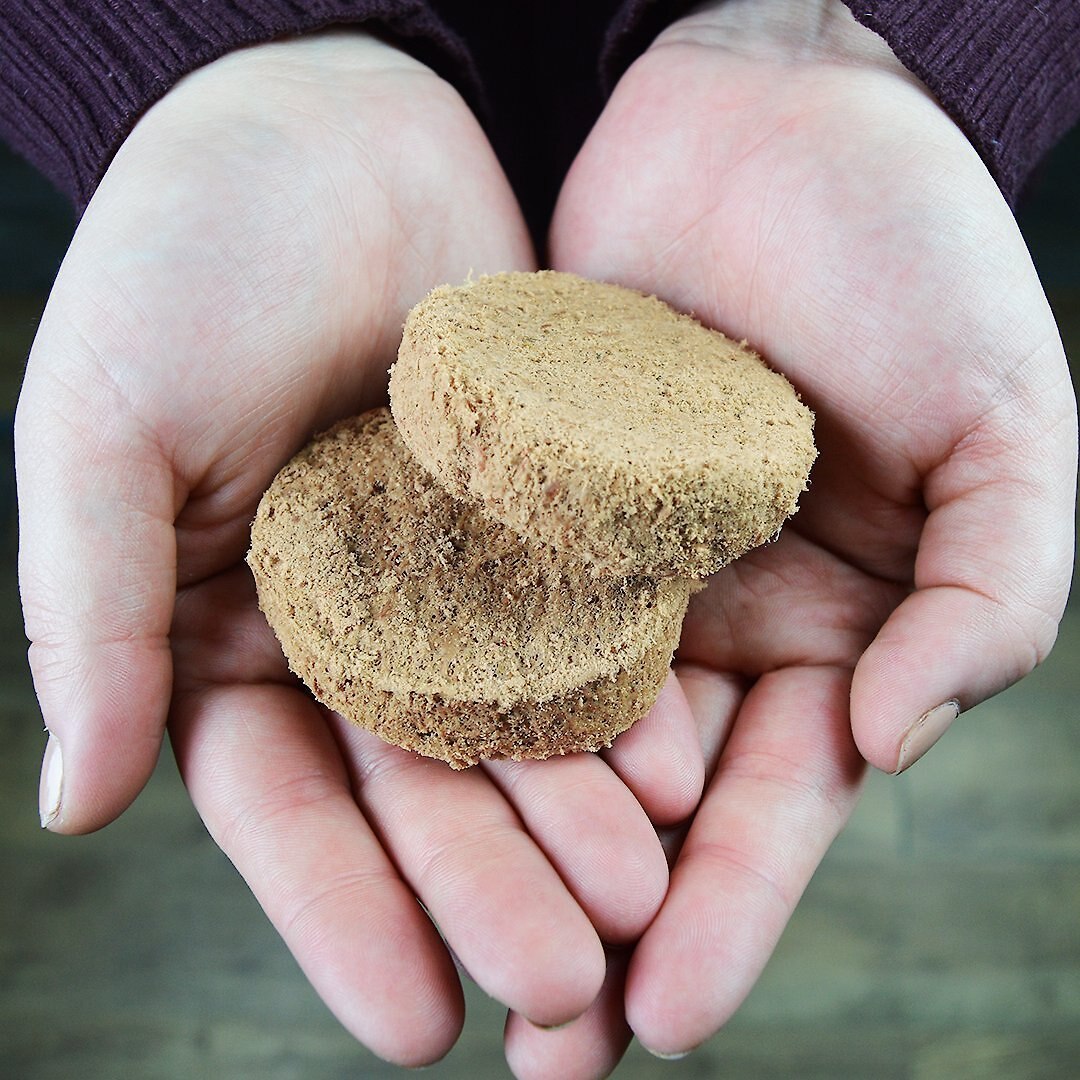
(414, 615)
(601, 421)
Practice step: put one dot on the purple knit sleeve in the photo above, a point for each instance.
(1007, 71)
(75, 75)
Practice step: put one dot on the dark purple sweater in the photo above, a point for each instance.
(75, 75)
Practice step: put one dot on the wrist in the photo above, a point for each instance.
(274, 123)
(791, 32)
(298, 79)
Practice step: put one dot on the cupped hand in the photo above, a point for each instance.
(769, 166)
(237, 283)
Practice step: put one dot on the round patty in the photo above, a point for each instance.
(601, 421)
(416, 616)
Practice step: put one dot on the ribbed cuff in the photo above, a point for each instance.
(1007, 72)
(77, 74)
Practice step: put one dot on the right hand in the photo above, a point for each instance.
(239, 282)
(770, 166)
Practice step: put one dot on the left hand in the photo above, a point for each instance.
(237, 283)
(770, 167)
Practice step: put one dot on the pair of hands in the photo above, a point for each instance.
(239, 282)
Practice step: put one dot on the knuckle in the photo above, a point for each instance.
(276, 807)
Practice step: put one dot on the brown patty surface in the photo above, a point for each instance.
(414, 615)
(601, 421)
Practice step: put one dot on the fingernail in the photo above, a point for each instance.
(553, 1027)
(925, 732)
(52, 776)
(677, 1056)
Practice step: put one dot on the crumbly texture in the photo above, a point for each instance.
(601, 421)
(414, 615)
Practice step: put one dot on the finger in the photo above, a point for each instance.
(713, 698)
(494, 896)
(595, 834)
(267, 777)
(992, 575)
(659, 758)
(590, 1046)
(97, 570)
(786, 782)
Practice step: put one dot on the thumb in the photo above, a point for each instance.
(97, 578)
(992, 575)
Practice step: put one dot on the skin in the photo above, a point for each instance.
(238, 282)
(772, 168)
